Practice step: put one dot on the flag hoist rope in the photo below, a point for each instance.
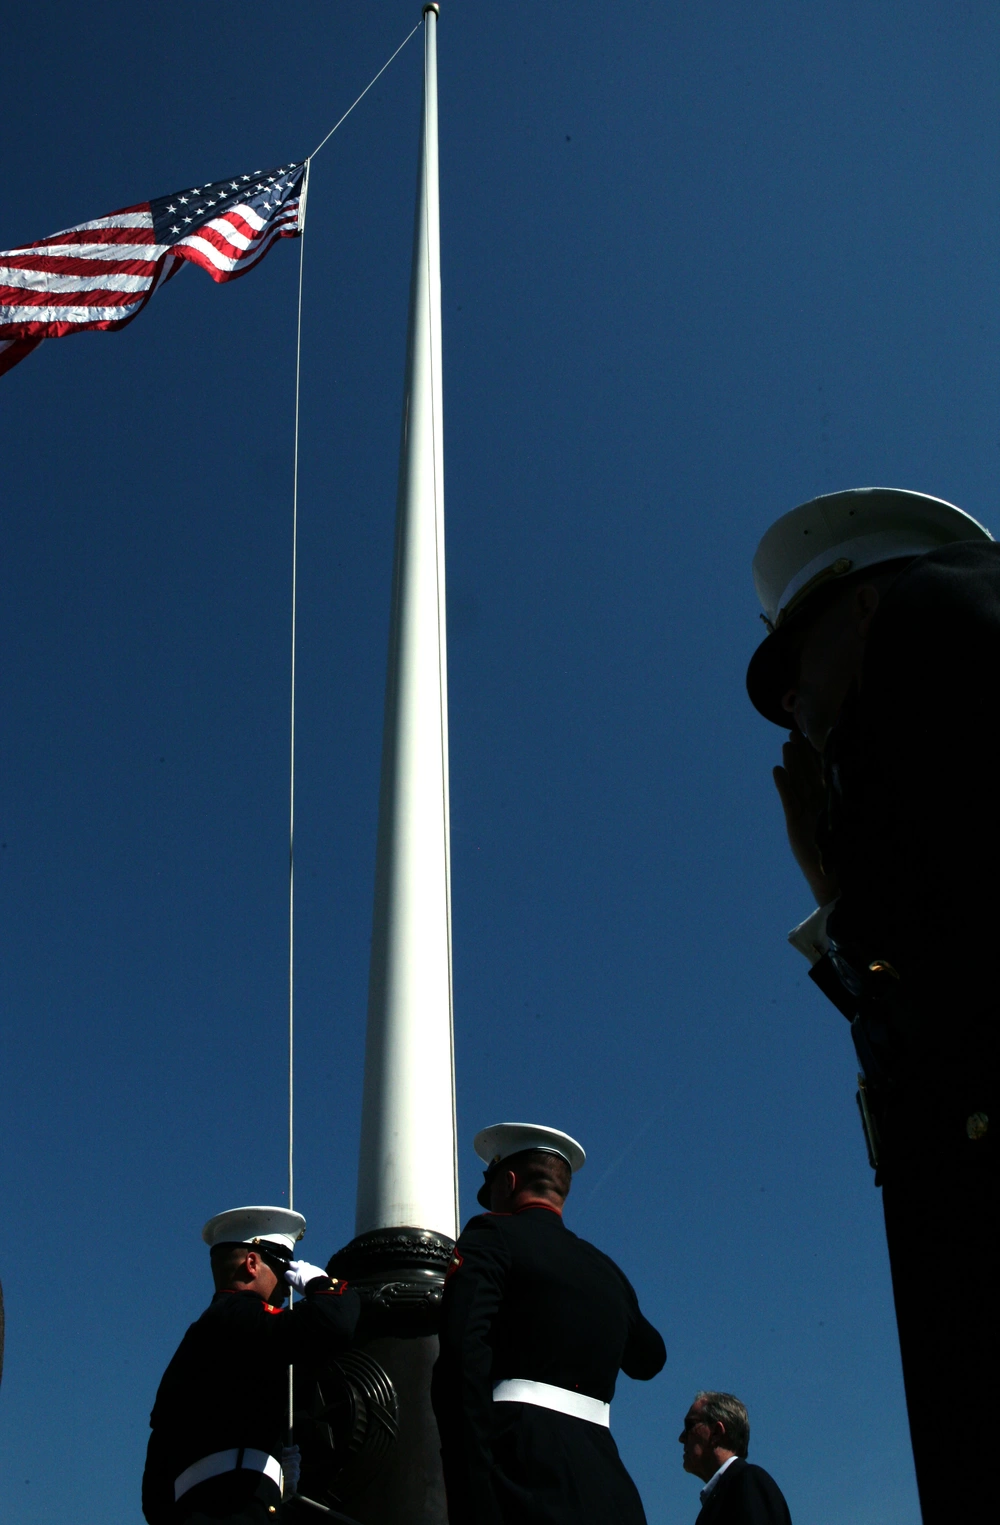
(291, 728)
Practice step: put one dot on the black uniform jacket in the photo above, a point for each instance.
(227, 1386)
(913, 836)
(526, 1298)
(913, 827)
(745, 1495)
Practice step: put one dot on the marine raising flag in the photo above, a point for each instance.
(101, 274)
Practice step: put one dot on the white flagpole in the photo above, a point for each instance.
(407, 1174)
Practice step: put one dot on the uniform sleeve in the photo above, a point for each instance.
(323, 1323)
(462, 1385)
(645, 1353)
(315, 1329)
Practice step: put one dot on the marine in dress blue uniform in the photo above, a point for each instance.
(536, 1325)
(220, 1418)
(897, 790)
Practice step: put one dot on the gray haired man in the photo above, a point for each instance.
(716, 1438)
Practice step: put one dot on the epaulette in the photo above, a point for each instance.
(337, 1288)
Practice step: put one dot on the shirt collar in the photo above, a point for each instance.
(707, 1490)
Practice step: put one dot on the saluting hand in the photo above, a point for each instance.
(801, 791)
(301, 1275)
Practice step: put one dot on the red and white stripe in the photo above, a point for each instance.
(100, 274)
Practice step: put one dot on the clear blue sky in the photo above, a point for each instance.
(700, 263)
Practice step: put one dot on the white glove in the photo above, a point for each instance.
(300, 1273)
(291, 1467)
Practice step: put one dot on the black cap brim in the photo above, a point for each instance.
(772, 672)
(266, 1249)
(483, 1194)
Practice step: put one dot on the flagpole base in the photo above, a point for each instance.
(369, 1439)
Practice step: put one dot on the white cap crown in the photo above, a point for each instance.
(276, 1227)
(847, 531)
(504, 1139)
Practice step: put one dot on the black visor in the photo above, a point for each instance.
(274, 1255)
(772, 672)
(483, 1194)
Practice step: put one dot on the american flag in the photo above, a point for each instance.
(101, 274)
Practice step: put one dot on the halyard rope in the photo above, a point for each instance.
(295, 546)
(365, 91)
(291, 726)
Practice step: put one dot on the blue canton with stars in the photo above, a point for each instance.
(266, 191)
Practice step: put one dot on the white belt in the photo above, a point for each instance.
(228, 1461)
(544, 1396)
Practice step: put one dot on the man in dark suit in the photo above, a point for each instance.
(535, 1326)
(716, 1438)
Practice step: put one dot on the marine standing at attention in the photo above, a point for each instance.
(883, 654)
(535, 1326)
(221, 1413)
